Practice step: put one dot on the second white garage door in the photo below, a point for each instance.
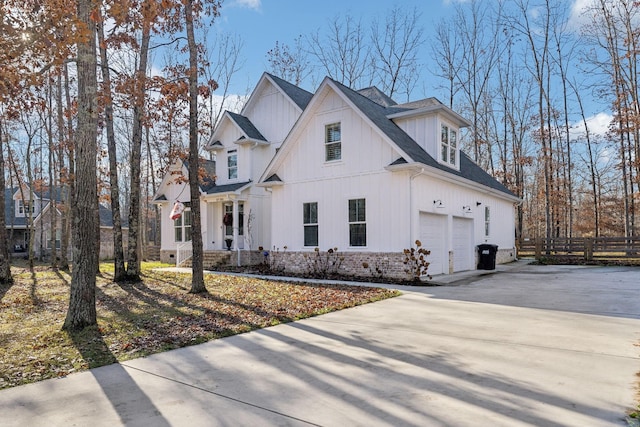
(462, 244)
(433, 234)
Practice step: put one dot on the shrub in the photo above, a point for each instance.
(323, 264)
(378, 269)
(415, 260)
(274, 260)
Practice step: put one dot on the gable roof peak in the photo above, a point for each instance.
(298, 95)
(377, 96)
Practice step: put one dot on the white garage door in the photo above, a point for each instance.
(462, 242)
(433, 234)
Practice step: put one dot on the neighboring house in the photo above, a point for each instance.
(354, 171)
(26, 212)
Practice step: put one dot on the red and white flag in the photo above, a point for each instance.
(178, 207)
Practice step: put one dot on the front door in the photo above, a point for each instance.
(228, 226)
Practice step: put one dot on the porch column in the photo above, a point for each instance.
(235, 224)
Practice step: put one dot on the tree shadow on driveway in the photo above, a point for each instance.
(125, 396)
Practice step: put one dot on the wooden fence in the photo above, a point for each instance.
(587, 248)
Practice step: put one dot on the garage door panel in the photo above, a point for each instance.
(462, 244)
(433, 233)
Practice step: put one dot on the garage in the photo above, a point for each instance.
(433, 235)
(462, 244)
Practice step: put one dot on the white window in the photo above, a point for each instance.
(310, 221)
(332, 142)
(58, 236)
(24, 207)
(232, 163)
(448, 145)
(182, 227)
(357, 222)
(487, 221)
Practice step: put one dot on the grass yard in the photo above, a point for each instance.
(138, 319)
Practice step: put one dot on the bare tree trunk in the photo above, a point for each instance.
(52, 186)
(119, 273)
(133, 258)
(5, 262)
(197, 281)
(82, 302)
(68, 178)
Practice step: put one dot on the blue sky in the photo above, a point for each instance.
(263, 22)
(260, 23)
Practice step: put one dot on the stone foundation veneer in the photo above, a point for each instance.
(391, 264)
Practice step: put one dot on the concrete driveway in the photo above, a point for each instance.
(531, 346)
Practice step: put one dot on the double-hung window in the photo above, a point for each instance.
(310, 222)
(232, 163)
(58, 237)
(24, 207)
(448, 145)
(332, 142)
(357, 222)
(182, 227)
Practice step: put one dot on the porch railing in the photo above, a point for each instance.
(184, 252)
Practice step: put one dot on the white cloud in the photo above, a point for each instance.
(248, 4)
(598, 126)
(577, 16)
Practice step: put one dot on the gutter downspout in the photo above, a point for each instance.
(411, 178)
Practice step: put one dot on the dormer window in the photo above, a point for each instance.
(232, 163)
(24, 207)
(448, 145)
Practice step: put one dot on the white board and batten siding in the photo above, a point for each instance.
(358, 174)
(272, 113)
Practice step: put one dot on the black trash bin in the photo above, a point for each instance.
(487, 256)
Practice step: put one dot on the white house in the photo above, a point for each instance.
(356, 171)
(233, 208)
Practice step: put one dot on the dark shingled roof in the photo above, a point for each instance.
(273, 178)
(377, 96)
(247, 127)
(378, 115)
(400, 161)
(208, 180)
(9, 210)
(104, 212)
(106, 218)
(427, 102)
(298, 95)
(227, 188)
(216, 144)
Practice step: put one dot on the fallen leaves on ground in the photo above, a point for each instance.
(142, 318)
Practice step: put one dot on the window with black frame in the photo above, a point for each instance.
(357, 222)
